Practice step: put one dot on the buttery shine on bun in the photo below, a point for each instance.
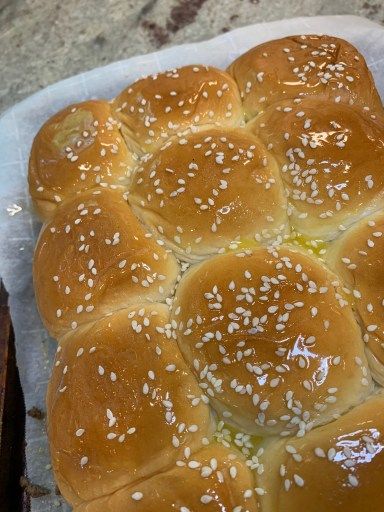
(334, 468)
(211, 265)
(177, 102)
(209, 191)
(358, 258)
(94, 257)
(128, 392)
(331, 159)
(261, 332)
(79, 148)
(325, 67)
(217, 476)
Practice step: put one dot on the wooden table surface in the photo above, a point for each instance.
(13, 497)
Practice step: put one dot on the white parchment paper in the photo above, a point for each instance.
(19, 228)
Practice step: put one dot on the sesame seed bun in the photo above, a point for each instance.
(336, 467)
(219, 478)
(208, 191)
(94, 257)
(211, 266)
(79, 148)
(331, 159)
(262, 332)
(119, 404)
(357, 257)
(326, 67)
(177, 102)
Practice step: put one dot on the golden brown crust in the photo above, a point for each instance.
(270, 335)
(358, 257)
(261, 332)
(79, 148)
(331, 159)
(118, 404)
(179, 101)
(335, 467)
(209, 191)
(94, 257)
(326, 67)
(213, 480)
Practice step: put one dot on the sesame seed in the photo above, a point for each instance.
(298, 480)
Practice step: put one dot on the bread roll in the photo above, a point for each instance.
(271, 340)
(358, 257)
(334, 468)
(325, 67)
(213, 480)
(209, 191)
(175, 387)
(331, 159)
(79, 148)
(119, 404)
(93, 258)
(178, 101)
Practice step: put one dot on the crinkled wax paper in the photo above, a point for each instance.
(19, 228)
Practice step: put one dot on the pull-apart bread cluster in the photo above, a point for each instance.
(211, 264)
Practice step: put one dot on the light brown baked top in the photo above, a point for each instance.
(211, 265)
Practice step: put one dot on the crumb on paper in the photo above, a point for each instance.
(36, 413)
(13, 209)
(33, 490)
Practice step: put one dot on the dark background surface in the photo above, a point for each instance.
(12, 418)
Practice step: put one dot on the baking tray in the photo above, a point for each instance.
(19, 228)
